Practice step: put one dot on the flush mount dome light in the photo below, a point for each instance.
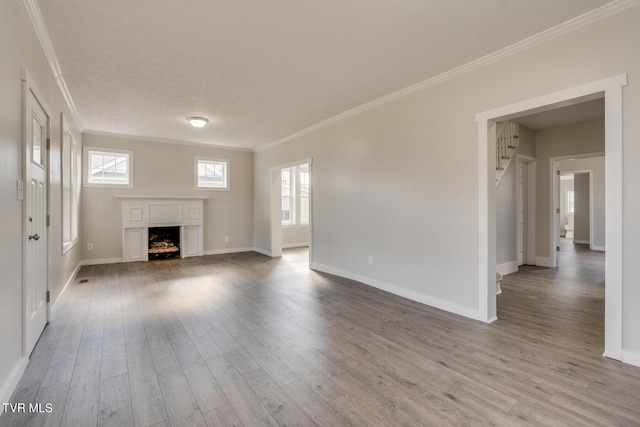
(198, 122)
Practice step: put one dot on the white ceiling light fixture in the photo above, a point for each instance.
(198, 122)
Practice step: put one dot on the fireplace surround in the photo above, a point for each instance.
(142, 213)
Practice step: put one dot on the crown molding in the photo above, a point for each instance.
(33, 10)
(566, 27)
(164, 140)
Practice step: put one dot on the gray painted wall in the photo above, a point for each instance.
(581, 218)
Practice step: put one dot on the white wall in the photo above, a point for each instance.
(19, 48)
(595, 164)
(295, 236)
(399, 181)
(168, 170)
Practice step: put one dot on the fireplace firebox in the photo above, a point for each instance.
(164, 242)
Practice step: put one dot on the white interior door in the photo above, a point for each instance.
(521, 226)
(35, 280)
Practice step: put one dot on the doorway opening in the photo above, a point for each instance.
(291, 209)
(611, 90)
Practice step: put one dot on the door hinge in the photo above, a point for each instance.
(557, 248)
(557, 172)
(48, 296)
(557, 210)
(48, 143)
(48, 220)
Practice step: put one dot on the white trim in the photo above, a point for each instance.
(12, 382)
(598, 248)
(100, 261)
(400, 291)
(227, 251)
(564, 28)
(54, 306)
(121, 151)
(612, 88)
(295, 245)
(164, 140)
(507, 268)
(630, 357)
(47, 46)
(135, 196)
(227, 173)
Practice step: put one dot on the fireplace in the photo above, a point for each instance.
(164, 242)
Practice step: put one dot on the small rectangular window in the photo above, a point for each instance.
(570, 202)
(106, 167)
(212, 174)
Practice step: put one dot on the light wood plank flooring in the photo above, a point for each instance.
(244, 339)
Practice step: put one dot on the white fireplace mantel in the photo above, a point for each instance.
(141, 212)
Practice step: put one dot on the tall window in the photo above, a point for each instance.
(212, 174)
(295, 195)
(70, 187)
(107, 167)
(570, 202)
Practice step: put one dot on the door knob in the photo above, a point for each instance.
(34, 237)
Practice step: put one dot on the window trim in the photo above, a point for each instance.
(85, 166)
(227, 163)
(74, 171)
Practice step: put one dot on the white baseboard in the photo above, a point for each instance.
(397, 290)
(54, 306)
(581, 242)
(543, 261)
(597, 248)
(12, 382)
(100, 261)
(507, 268)
(227, 251)
(631, 357)
(295, 245)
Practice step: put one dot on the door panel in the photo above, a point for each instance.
(35, 280)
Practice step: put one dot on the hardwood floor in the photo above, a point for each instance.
(243, 339)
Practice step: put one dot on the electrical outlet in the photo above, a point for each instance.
(89, 246)
(226, 239)
(370, 259)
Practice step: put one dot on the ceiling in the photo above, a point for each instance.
(576, 113)
(263, 70)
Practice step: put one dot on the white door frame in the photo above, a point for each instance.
(612, 90)
(29, 86)
(531, 166)
(275, 207)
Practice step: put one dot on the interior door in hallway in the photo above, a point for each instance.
(35, 232)
(521, 224)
